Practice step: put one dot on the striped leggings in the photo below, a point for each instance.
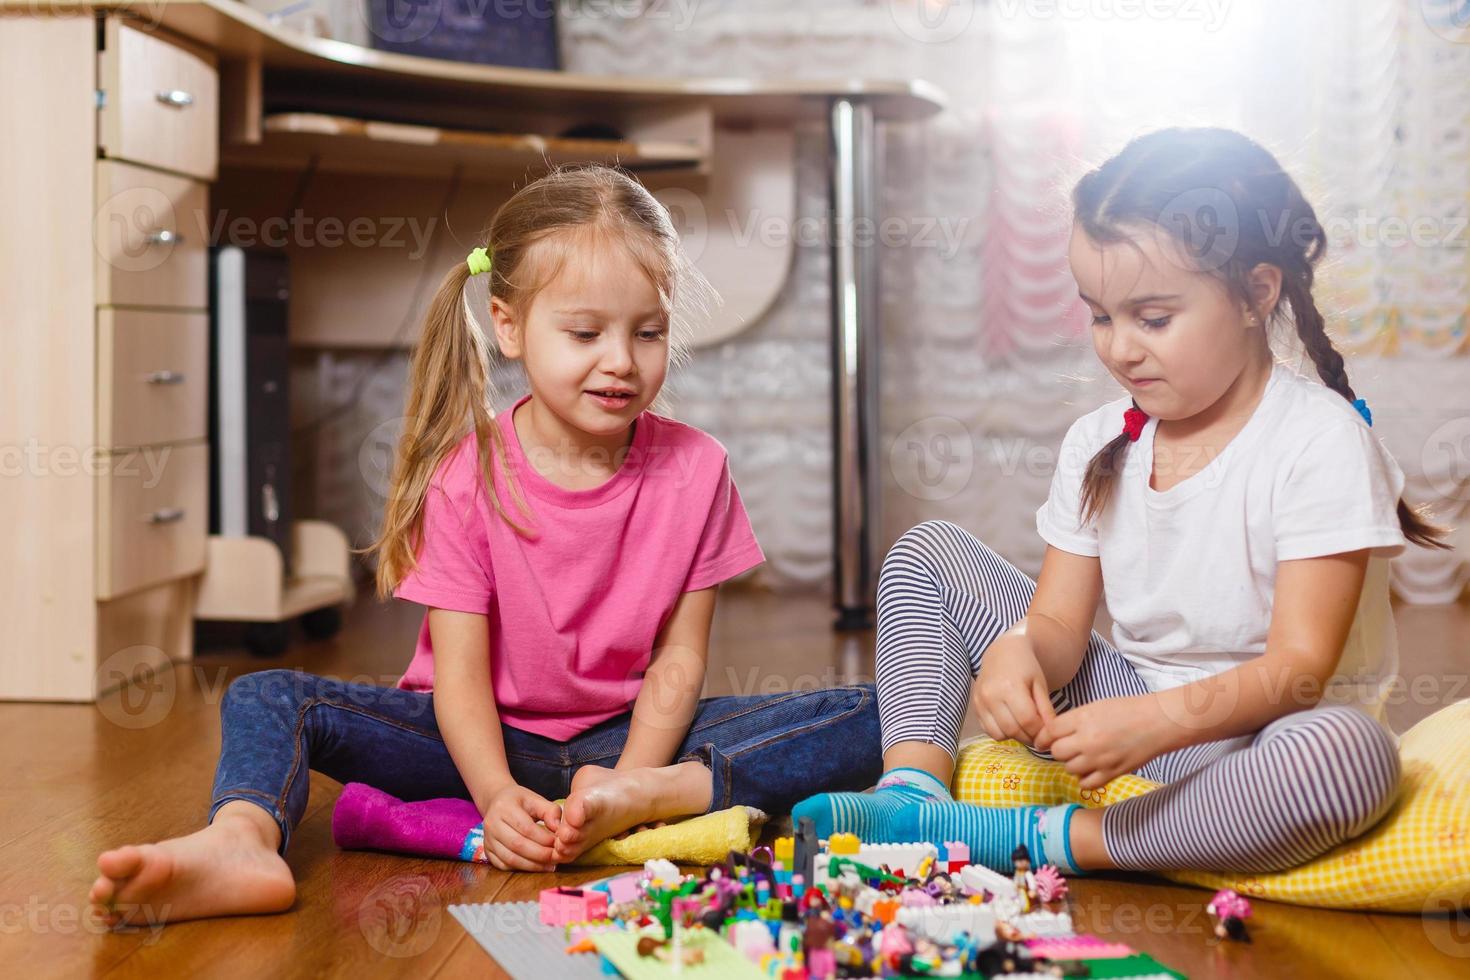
(1264, 802)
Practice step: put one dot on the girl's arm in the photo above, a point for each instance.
(464, 707)
(464, 702)
(1311, 613)
(1059, 619)
(1041, 652)
(669, 696)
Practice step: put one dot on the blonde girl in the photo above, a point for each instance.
(568, 551)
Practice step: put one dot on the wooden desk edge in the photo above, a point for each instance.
(237, 31)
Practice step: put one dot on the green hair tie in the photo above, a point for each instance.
(478, 261)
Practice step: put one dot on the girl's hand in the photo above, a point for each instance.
(513, 841)
(1010, 696)
(1107, 738)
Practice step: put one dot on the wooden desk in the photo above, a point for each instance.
(129, 115)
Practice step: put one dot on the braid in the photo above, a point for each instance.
(1298, 274)
(1311, 328)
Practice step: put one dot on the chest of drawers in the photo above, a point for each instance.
(104, 392)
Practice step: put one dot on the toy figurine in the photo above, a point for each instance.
(1231, 909)
(816, 948)
(1003, 957)
(1051, 888)
(668, 951)
(805, 851)
(1025, 881)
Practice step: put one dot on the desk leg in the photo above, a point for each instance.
(852, 190)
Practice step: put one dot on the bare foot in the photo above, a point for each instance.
(610, 802)
(589, 776)
(228, 868)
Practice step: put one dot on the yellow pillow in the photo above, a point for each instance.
(706, 839)
(1416, 859)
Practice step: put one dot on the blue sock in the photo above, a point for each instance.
(992, 833)
(872, 815)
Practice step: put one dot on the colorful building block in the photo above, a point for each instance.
(944, 923)
(978, 878)
(955, 855)
(1078, 948)
(901, 859)
(560, 906)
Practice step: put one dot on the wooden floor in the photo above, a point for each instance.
(80, 778)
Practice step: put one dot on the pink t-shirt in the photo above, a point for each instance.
(574, 611)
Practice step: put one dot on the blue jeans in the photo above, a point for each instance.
(766, 751)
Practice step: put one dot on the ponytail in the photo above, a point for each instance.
(448, 396)
(1097, 481)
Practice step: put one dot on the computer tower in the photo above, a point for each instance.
(250, 412)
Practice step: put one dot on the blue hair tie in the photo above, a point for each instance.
(1362, 407)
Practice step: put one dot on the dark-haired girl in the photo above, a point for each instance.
(1237, 516)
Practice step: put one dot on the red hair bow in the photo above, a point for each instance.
(1133, 422)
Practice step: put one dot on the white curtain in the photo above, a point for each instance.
(985, 360)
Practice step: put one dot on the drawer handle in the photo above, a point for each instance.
(164, 237)
(166, 378)
(166, 515)
(176, 98)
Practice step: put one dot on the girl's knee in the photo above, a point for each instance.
(838, 702)
(277, 687)
(1352, 752)
(925, 546)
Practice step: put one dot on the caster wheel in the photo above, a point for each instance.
(322, 624)
(267, 639)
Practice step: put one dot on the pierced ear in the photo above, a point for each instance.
(1265, 290)
(507, 328)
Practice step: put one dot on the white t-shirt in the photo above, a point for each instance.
(1189, 572)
